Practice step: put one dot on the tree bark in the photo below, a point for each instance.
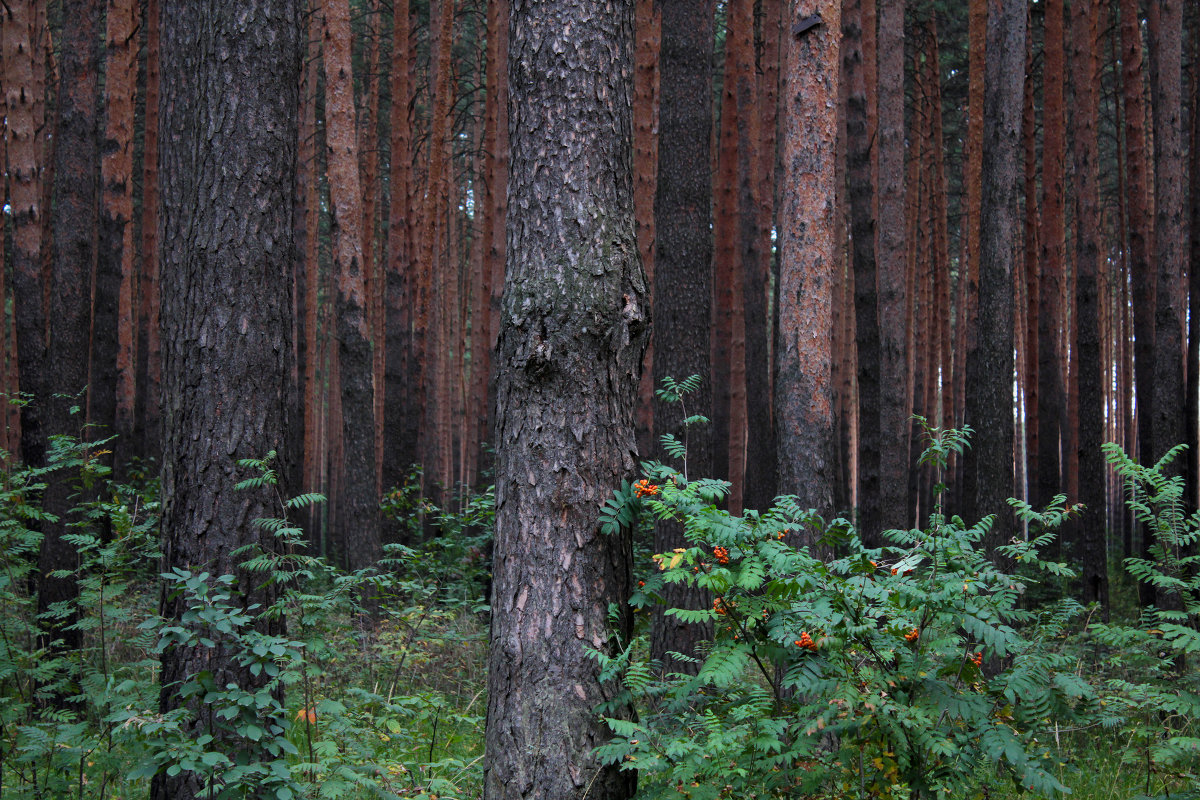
(803, 391)
(571, 342)
(114, 376)
(149, 418)
(229, 115)
(647, 27)
(1089, 529)
(683, 284)
(861, 194)
(989, 463)
(74, 219)
(358, 518)
(1170, 224)
(1051, 316)
(894, 426)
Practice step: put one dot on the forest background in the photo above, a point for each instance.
(1077, 299)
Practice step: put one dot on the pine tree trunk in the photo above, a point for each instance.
(761, 473)
(229, 131)
(861, 194)
(114, 376)
(74, 219)
(1170, 224)
(1051, 317)
(1090, 527)
(357, 523)
(894, 426)
(647, 26)
(149, 369)
(24, 109)
(683, 283)
(1031, 276)
(803, 391)
(571, 342)
(989, 462)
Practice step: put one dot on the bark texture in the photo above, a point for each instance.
(683, 281)
(358, 519)
(893, 345)
(989, 463)
(572, 335)
(229, 116)
(808, 255)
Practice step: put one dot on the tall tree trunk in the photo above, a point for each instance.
(1192, 405)
(735, 229)
(803, 391)
(683, 275)
(1141, 222)
(149, 369)
(571, 342)
(861, 195)
(74, 219)
(114, 376)
(1170, 223)
(1090, 528)
(1051, 317)
(968, 307)
(894, 426)
(358, 519)
(989, 463)
(1032, 276)
(760, 449)
(229, 113)
(402, 380)
(24, 107)
(647, 28)
(437, 445)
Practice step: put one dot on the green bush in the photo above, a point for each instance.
(900, 671)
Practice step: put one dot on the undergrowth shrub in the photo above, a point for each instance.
(357, 704)
(899, 671)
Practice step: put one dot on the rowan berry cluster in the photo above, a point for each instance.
(721, 555)
(720, 606)
(976, 658)
(805, 641)
(645, 488)
(912, 635)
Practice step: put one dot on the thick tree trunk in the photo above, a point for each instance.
(229, 114)
(683, 284)
(989, 463)
(803, 390)
(1031, 275)
(357, 526)
(571, 342)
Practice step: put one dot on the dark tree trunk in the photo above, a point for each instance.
(229, 115)
(808, 258)
(989, 463)
(1051, 391)
(1170, 224)
(572, 335)
(683, 283)
(357, 525)
(861, 192)
(74, 219)
(894, 426)
(1089, 529)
